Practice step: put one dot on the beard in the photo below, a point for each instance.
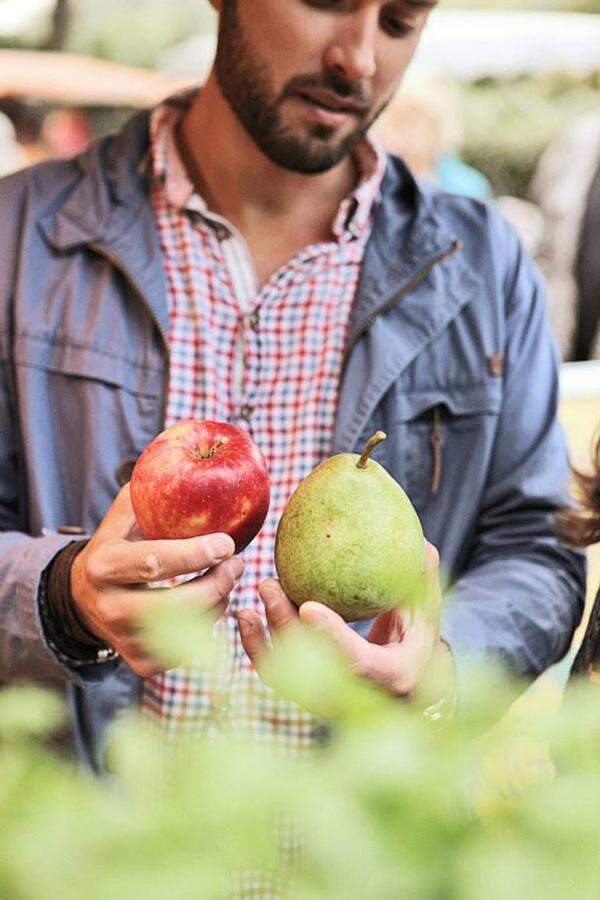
(247, 87)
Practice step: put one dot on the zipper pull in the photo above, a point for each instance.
(435, 439)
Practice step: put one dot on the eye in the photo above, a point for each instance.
(335, 5)
(394, 25)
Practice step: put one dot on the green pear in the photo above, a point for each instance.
(350, 538)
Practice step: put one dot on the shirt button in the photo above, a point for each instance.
(221, 232)
(254, 320)
(245, 412)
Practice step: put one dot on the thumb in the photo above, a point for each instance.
(320, 617)
(120, 518)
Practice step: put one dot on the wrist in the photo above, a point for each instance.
(436, 693)
(65, 629)
(75, 621)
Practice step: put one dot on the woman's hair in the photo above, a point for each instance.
(580, 526)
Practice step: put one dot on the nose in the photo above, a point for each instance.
(352, 51)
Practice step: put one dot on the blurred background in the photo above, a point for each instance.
(502, 103)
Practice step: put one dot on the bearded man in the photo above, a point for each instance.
(248, 253)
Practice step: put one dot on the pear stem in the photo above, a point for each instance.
(375, 439)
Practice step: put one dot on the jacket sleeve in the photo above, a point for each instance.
(521, 596)
(24, 652)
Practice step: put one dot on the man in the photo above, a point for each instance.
(249, 254)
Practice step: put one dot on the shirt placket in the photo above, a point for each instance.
(240, 267)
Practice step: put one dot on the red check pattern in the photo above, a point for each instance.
(267, 358)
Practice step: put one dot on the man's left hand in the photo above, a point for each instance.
(394, 655)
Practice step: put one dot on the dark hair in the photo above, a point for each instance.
(27, 118)
(580, 526)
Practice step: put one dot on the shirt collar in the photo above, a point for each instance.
(168, 170)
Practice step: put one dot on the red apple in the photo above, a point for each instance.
(201, 477)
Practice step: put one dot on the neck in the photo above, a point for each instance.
(238, 181)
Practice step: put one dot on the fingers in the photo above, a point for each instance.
(433, 604)
(387, 628)
(281, 612)
(281, 616)
(120, 518)
(330, 623)
(254, 639)
(142, 562)
(118, 616)
(211, 591)
(432, 557)
(398, 665)
(138, 659)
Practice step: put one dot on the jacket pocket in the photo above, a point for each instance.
(70, 359)
(83, 413)
(445, 436)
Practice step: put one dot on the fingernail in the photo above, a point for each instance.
(313, 616)
(245, 623)
(221, 547)
(235, 567)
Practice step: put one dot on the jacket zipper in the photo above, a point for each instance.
(115, 261)
(412, 283)
(435, 439)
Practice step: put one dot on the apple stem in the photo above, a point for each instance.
(215, 447)
(375, 439)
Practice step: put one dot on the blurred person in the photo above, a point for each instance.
(566, 185)
(65, 132)
(421, 125)
(580, 527)
(27, 120)
(527, 220)
(249, 253)
(11, 154)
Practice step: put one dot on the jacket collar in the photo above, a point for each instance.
(108, 210)
(407, 234)
(414, 267)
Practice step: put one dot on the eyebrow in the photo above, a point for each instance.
(421, 4)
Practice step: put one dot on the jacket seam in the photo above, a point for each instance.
(97, 379)
(76, 345)
(454, 386)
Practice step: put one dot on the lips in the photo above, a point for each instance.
(331, 102)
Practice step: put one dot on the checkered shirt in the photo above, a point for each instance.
(266, 358)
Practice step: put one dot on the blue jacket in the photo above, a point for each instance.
(448, 352)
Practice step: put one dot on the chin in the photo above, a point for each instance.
(315, 155)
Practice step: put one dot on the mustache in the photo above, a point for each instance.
(332, 82)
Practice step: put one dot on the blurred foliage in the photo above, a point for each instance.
(586, 6)
(508, 123)
(389, 806)
(134, 31)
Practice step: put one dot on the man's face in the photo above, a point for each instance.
(307, 78)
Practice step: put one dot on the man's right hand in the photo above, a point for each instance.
(108, 579)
